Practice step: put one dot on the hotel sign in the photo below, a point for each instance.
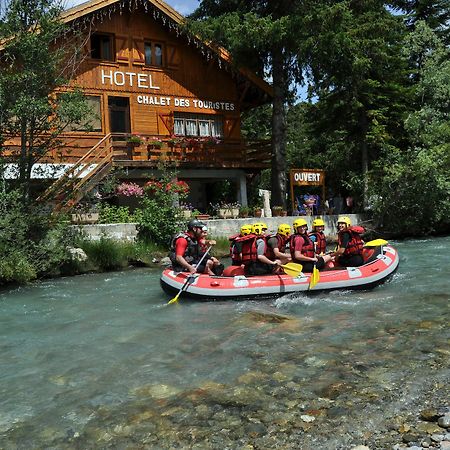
(145, 81)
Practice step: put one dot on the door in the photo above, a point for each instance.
(119, 114)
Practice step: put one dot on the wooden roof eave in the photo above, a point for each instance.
(92, 6)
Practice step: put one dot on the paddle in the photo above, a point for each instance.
(375, 243)
(315, 277)
(189, 279)
(292, 269)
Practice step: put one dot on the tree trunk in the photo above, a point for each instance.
(278, 176)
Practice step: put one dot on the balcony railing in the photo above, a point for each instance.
(191, 152)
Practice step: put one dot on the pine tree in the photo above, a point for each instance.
(264, 36)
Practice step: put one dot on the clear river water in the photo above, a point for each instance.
(101, 361)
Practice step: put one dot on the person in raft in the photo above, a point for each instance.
(350, 244)
(253, 252)
(302, 248)
(204, 242)
(318, 236)
(186, 250)
(276, 244)
(236, 244)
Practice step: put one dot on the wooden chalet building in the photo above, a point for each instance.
(146, 77)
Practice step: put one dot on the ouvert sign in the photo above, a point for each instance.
(306, 177)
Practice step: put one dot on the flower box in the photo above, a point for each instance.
(228, 213)
(202, 216)
(85, 218)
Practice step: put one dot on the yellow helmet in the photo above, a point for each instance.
(259, 228)
(318, 222)
(345, 219)
(284, 229)
(299, 223)
(246, 229)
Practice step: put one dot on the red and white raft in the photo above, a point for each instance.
(381, 263)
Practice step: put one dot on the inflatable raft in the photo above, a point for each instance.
(381, 263)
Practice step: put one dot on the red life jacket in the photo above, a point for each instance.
(355, 245)
(321, 242)
(234, 254)
(281, 243)
(249, 248)
(307, 248)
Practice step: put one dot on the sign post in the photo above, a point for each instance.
(307, 177)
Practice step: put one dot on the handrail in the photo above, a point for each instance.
(67, 174)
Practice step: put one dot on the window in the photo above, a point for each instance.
(185, 124)
(153, 54)
(93, 120)
(102, 47)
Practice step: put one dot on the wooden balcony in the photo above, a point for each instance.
(190, 154)
(187, 153)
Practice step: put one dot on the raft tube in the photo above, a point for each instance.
(381, 263)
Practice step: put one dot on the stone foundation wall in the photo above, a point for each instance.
(217, 227)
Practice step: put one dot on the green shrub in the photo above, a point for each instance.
(117, 214)
(15, 267)
(106, 254)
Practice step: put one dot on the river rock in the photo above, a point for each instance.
(156, 391)
(430, 415)
(445, 445)
(165, 262)
(77, 254)
(429, 428)
(360, 447)
(307, 418)
(444, 421)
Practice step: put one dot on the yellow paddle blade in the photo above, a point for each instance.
(375, 243)
(315, 277)
(175, 299)
(292, 269)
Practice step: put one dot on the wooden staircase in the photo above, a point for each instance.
(82, 177)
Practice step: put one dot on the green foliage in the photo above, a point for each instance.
(118, 214)
(160, 216)
(30, 245)
(106, 254)
(411, 193)
(32, 69)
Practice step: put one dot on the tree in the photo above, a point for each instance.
(360, 80)
(435, 13)
(33, 69)
(265, 36)
(411, 189)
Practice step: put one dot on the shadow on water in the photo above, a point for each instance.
(100, 361)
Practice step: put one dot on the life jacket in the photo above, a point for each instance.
(249, 248)
(307, 248)
(321, 242)
(281, 242)
(234, 253)
(193, 250)
(356, 244)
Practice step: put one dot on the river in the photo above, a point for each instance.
(100, 361)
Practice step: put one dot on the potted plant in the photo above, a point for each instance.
(277, 211)
(244, 211)
(135, 140)
(257, 211)
(154, 143)
(202, 216)
(227, 210)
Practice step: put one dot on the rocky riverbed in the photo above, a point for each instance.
(354, 399)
